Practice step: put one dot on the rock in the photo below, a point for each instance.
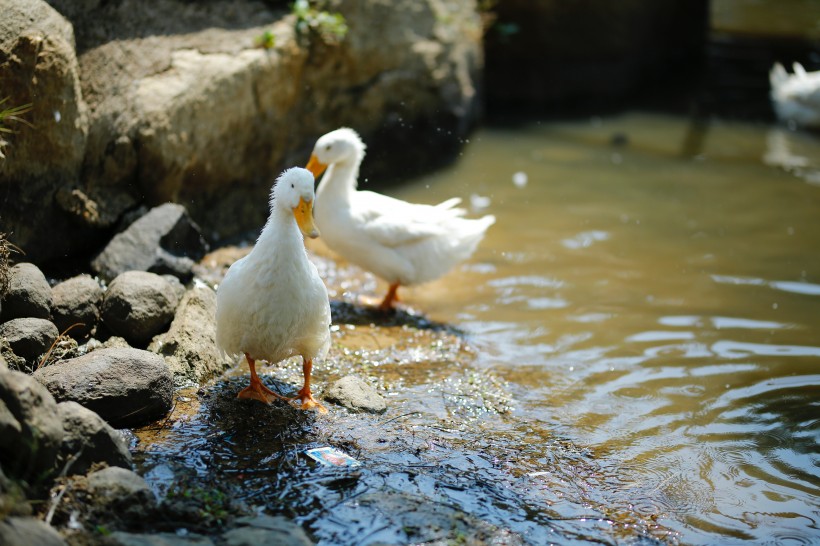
(189, 347)
(126, 387)
(165, 240)
(13, 362)
(17, 531)
(119, 486)
(31, 430)
(355, 394)
(90, 439)
(265, 529)
(77, 301)
(115, 342)
(120, 538)
(40, 67)
(138, 305)
(29, 338)
(29, 294)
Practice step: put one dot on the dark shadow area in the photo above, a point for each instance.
(345, 312)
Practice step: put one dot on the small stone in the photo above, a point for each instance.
(119, 484)
(31, 429)
(164, 240)
(265, 529)
(77, 302)
(29, 294)
(126, 387)
(120, 538)
(29, 338)
(88, 439)
(355, 394)
(138, 305)
(17, 531)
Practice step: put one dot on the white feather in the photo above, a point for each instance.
(272, 304)
(400, 242)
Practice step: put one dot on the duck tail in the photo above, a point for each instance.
(777, 75)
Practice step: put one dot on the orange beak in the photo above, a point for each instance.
(315, 166)
(304, 218)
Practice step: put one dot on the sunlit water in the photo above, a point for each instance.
(651, 290)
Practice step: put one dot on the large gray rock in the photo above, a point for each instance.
(126, 387)
(29, 338)
(189, 347)
(17, 531)
(165, 240)
(76, 305)
(39, 66)
(30, 428)
(355, 394)
(138, 305)
(29, 293)
(88, 439)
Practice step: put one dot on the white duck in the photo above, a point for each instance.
(796, 97)
(272, 304)
(403, 243)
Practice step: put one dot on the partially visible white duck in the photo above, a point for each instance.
(403, 243)
(796, 97)
(272, 305)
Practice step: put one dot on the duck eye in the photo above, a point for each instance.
(327, 148)
(291, 185)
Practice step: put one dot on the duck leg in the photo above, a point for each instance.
(257, 390)
(304, 395)
(391, 297)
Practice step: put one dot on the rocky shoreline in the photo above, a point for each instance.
(84, 361)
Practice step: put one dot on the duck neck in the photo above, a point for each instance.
(340, 180)
(281, 226)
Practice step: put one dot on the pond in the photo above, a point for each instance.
(651, 290)
(632, 356)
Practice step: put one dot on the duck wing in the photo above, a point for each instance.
(393, 223)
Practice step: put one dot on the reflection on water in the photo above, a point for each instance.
(658, 303)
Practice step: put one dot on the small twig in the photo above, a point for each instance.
(56, 341)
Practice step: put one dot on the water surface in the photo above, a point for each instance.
(651, 291)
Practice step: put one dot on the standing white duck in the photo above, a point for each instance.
(796, 97)
(403, 243)
(272, 304)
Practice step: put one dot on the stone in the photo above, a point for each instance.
(119, 485)
(29, 338)
(189, 347)
(264, 529)
(76, 306)
(121, 538)
(355, 394)
(126, 387)
(165, 241)
(32, 431)
(29, 294)
(138, 305)
(40, 67)
(19, 531)
(88, 439)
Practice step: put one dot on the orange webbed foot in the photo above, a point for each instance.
(304, 400)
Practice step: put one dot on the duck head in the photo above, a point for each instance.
(294, 191)
(335, 147)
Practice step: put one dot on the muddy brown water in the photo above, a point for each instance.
(631, 357)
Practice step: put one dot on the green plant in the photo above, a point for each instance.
(11, 113)
(266, 40)
(331, 27)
